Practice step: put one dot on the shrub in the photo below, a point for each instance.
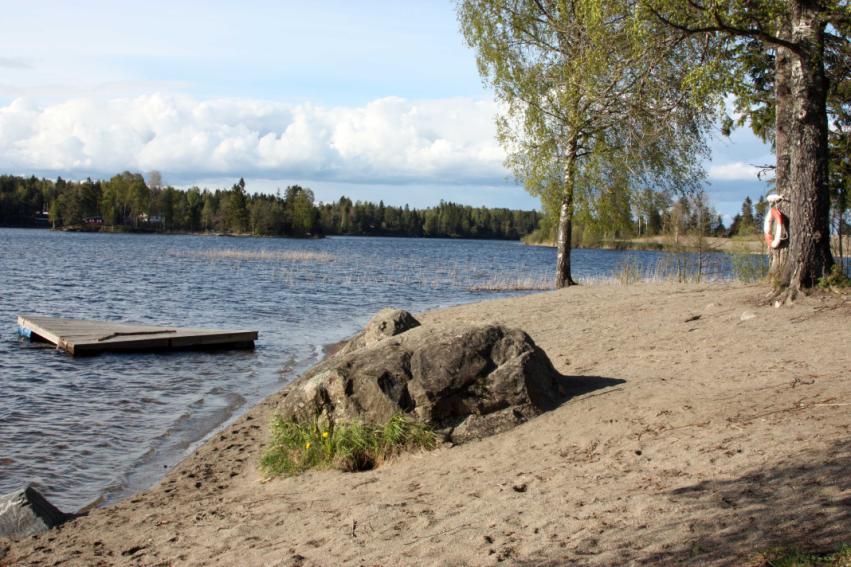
(296, 447)
(835, 279)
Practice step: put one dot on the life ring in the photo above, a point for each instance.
(775, 236)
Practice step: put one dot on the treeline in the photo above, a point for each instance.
(446, 220)
(622, 215)
(750, 220)
(651, 213)
(128, 202)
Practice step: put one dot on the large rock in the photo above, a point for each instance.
(468, 381)
(26, 512)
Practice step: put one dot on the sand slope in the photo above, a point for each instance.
(696, 435)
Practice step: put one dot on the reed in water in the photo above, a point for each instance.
(265, 255)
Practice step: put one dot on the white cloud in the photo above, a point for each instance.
(734, 171)
(388, 139)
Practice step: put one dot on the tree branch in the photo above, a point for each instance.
(724, 27)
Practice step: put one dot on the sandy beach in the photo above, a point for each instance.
(705, 427)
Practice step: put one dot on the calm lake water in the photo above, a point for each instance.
(91, 430)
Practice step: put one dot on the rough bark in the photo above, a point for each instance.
(809, 238)
(565, 220)
(840, 213)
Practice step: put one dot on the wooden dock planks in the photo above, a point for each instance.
(79, 337)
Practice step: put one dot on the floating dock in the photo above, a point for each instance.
(80, 337)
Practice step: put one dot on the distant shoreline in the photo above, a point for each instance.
(130, 230)
(684, 244)
(735, 245)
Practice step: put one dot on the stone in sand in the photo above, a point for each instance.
(26, 512)
(467, 381)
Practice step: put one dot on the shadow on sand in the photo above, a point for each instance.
(567, 388)
(805, 504)
(573, 386)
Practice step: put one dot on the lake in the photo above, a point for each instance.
(87, 431)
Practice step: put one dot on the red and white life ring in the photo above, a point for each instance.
(774, 235)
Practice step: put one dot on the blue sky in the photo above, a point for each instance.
(375, 100)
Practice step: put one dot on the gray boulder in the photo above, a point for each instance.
(467, 381)
(26, 512)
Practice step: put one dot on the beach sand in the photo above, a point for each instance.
(706, 426)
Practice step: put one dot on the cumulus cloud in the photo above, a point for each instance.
(386, 140)
(735, 171)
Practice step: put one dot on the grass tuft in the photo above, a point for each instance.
(749, 268)
(350, 447)
(629, 272)
(514, 284)
(791, 557)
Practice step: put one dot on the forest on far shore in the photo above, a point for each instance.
(128, 202)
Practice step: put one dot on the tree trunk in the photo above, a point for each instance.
(809, 232)
(782, 123)
(839, 230)
(840, 235)
(565, 220)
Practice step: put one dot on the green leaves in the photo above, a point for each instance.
(592, 83)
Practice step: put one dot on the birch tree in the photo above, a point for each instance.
(589, 93)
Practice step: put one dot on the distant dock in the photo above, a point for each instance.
(81, 337)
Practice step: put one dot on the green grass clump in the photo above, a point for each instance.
(784, 557)
(297, 447)
(835, 279)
